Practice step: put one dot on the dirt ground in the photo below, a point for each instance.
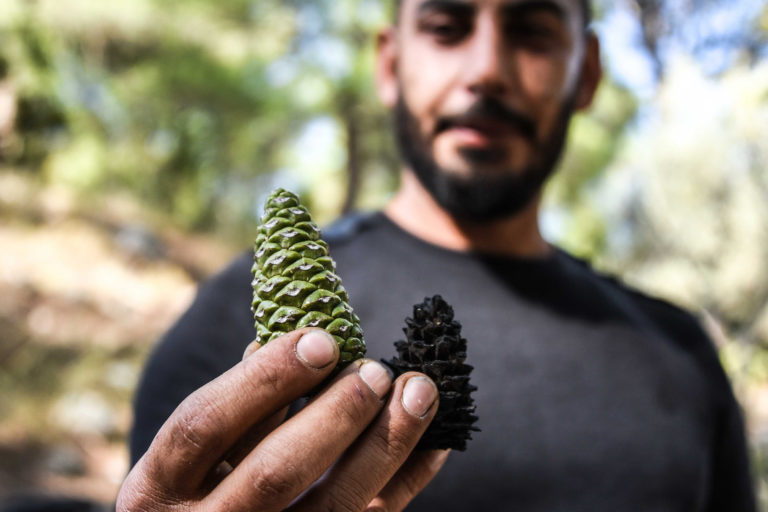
(84, 293)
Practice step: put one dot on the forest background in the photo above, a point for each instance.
(138, 139)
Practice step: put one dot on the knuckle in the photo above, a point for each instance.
(392, 441)
(138, 494)
(129, 498)
(196, 426)
(260, 375)
(275, 483)
(396, 442)
(348, 496)
(352, 407)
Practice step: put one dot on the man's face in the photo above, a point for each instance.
(483, 91)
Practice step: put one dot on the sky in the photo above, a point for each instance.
(629, 63)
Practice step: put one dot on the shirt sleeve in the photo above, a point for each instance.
(731, 481)
(205, 342)
(731, 487)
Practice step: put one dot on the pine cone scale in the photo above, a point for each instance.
(434, 346)
(295, 284)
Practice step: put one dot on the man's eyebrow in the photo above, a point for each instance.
(534, 6)
(452, 6)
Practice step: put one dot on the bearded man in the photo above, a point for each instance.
(591, 396)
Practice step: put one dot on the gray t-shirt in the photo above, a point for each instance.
(591, 396)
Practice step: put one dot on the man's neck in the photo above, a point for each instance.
(414, 210)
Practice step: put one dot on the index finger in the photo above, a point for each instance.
(211, 420)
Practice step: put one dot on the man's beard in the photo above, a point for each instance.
(483, 197)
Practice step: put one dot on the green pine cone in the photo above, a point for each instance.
(294, 279)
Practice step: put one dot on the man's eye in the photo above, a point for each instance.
(536, 35)
(529, 29)
(444, 31)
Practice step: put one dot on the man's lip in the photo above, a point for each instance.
(466, 136)
(486, 128)
(481, 133)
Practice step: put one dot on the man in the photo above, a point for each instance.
(591, 396)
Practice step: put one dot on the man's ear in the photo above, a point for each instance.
(591, 73)
(386, 67)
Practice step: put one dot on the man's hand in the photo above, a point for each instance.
(226, 447)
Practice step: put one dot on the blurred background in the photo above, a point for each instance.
(138, 139)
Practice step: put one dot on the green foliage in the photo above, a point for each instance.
(593, 142)
(181, 103)
(199, 108)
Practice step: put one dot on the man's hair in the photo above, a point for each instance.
(586, 9)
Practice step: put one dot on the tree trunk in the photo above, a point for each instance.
(352, 125)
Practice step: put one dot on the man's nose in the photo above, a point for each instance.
(486, 72)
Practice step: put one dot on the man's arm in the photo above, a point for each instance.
(732, 485)
(226, 448)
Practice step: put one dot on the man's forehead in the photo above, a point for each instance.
(560, 7)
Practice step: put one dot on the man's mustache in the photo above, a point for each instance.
(490, 110)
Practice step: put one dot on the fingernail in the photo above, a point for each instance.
(317, 349)
(251, 349)
(419, 395)
(376, 376)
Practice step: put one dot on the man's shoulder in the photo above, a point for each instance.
(356, 235)
(675, 322)
(347, 227)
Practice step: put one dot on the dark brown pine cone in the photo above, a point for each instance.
(434, 346)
